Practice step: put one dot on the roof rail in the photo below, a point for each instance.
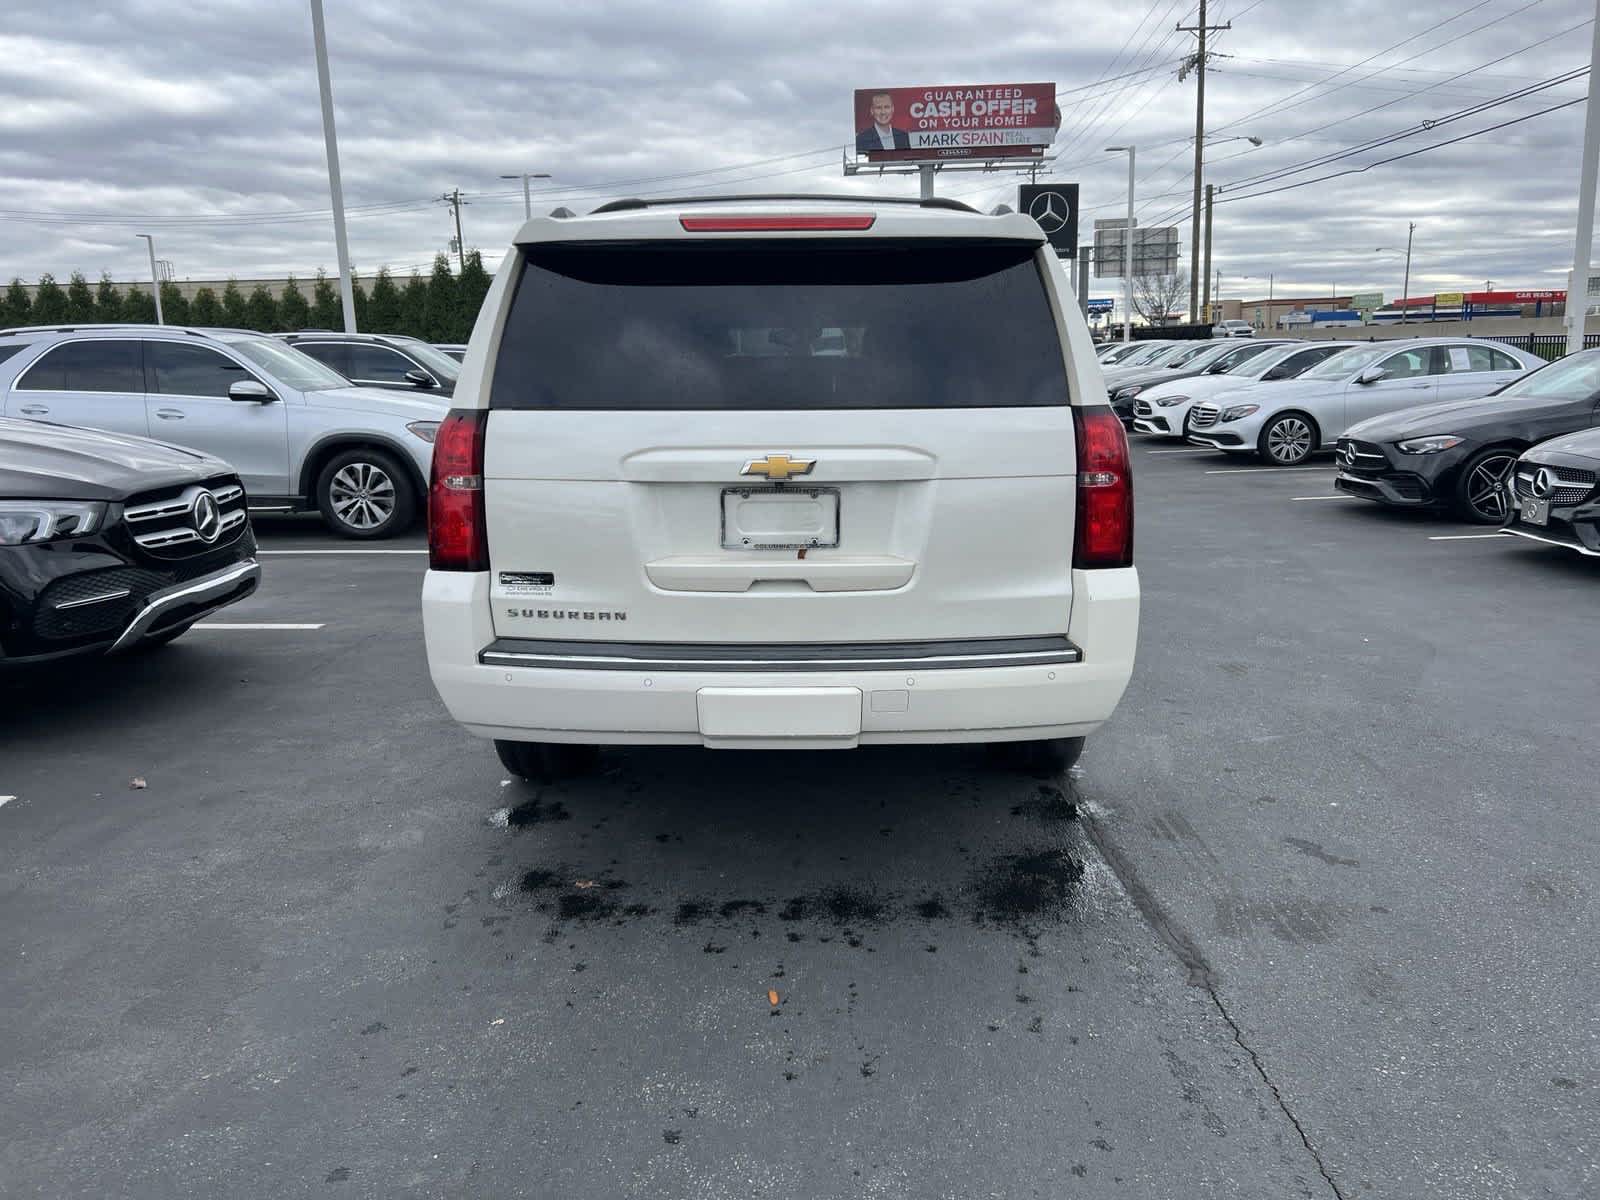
(633, 203)
(105, 327)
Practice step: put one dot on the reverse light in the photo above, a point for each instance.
(1237, 411)
(779, 224)
(1103, 535)
(24, 521)
(1429, 445)
(458, 539)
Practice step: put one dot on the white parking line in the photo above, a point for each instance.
(1465, 537)
(1263, 470)
(341, 551)
(1341, 496)
(1194, 451)
(227, 628)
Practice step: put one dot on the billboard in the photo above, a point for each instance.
(932, 124)
(1366, 301)
(1155, 250)
(1054, 206)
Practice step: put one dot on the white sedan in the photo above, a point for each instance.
(1162, 410)
(1286, 423)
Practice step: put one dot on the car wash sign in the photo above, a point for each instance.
(973, 121)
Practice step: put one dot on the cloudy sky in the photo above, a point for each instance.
(199, 123)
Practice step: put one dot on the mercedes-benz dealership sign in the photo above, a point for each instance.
(1054, 206)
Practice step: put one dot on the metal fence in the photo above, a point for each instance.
(1548, 346)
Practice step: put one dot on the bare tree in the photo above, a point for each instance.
(1157, 298)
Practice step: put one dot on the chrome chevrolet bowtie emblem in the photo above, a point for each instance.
(778, 466)
(207, 517)
(1543, 482)
(1050, 210)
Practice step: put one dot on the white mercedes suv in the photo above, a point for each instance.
(659, 513)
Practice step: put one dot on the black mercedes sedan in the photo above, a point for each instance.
(1459, 454)
(109, 542)
(1555, 493)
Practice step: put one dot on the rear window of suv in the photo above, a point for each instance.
(774, 325)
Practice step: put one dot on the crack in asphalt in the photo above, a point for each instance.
(1201, 974)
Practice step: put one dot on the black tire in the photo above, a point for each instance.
(1288, 440)
(1051, 756)
(542, 762)
(1480, 486)
(366, 494)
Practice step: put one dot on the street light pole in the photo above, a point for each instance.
(1127, 248)
(319, 36)
(155, 280)
(1579, 287)
(527, 200)
(1210, 191)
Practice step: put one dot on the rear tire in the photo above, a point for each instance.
(1050, 756)
(1480, 488)
(543, 762)
(1288, 440)
(366, 494)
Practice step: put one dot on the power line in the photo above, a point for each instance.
(1399, 135)
(1408, 154)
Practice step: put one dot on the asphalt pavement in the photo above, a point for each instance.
(1313, 917)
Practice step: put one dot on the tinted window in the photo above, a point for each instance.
(178, 370)
(1307, 359)
(1410, 364)
(87, 367)
(1234, 359)
(16, 348)
(1501, 361)
(329, 354)
(378, 364)
(733, 325)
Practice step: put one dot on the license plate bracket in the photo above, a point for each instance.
(1533, 511)
(780, 518)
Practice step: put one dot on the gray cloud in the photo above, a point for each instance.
(197, 120)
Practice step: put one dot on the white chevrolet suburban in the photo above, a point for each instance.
(780, 472)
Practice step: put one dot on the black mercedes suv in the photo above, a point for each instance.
(109, 542)
(1459, 454)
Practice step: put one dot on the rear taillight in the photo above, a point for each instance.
(457, 539)
(1104, 534)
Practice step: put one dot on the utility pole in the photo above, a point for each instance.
(1405, 288)
(1209, 193)
(341, 244)
(1199, 64)
(454, 200)
(1579, 287)
(155, 279)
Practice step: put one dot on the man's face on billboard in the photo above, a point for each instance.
(882, 109)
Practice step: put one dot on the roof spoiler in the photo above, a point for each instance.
(635, 204)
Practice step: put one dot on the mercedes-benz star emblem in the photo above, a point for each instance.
(207, 517)
(1543, 484)
(1051, 210)
(1349, 455)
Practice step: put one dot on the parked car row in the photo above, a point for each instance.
(299, 433)
(1491, 433)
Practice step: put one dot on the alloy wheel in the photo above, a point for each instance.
(362, 495)
(1486, 486)
(1289, 440)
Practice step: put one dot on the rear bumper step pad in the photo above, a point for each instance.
(846, 656)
